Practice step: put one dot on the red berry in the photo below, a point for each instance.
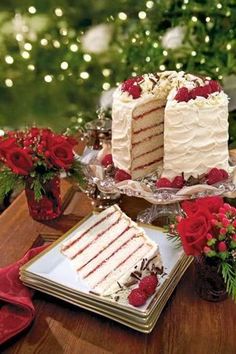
(163, 183)
(148, 284)
(225, 222)
(107, 160)
(121, 175)
(182, 95)
(214, 176)
(207, 249)
(209, 236)
(135, 91)
(178, 182)
(224, 173)
(137, 297)
(127, 84)
(202, 91)
(222, 247)
(130, 82)
(215, 86)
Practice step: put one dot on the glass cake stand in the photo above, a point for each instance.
(165, 201)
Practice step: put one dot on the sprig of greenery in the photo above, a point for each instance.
(8, 182)
(76, 173)
(229, 276)
(37, 187)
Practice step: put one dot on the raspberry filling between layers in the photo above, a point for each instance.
(66, 247)
(148, 112)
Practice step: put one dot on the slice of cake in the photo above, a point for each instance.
(176, 122)
(109, 249)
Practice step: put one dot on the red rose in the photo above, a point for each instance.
(19, 161)
(189, 207)
(193, 231)
(6, 145)
(60, 153)
(213, 204)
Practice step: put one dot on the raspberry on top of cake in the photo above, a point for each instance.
(172, 121)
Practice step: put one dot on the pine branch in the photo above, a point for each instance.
(8, 182)
(229, 275)
(76, 173)
(38, 189)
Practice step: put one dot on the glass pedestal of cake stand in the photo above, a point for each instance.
(149, 215)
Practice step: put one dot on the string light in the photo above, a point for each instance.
(165, 53)
(9, 59)
(64, 65)
(63, 31)
(208, 19)
(87, 57)
(193, 53)
(229, 46)
(162, 67)
(28, 46)
(202, 61)
(84, 75)
(179, 65)
(58, 12)
(32, 10)
(217, 69)
(44, 42)
(220, 77)
(147, 33)
(122, 16)
(207, 39)
(106, 86)
(149, 4)
(194, 18)
(106, 72)
(25, 55)
(74, 47)
(56, 44)
(19, 37)
(219, 6)
(147, 59)
(142, 15)
(31, 67)
(8, 82)
(155, 45)
(48, 78)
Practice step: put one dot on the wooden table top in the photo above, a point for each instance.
(187, 325)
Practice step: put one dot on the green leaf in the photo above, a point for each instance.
(37, 188)
(76, 173)
(8, 182)
(229, 275)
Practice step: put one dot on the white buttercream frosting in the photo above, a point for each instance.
(195, 132)
(196, 136)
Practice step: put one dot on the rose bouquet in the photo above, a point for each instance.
(207, 231)
(34, 159)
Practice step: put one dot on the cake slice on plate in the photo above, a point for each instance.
(109, 249)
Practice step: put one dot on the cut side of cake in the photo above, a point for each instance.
(173, 122)
(109, 249)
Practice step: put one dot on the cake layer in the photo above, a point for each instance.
(148, 119)
(148, 157)
(152, 142)
(106, 248)
(155, 129)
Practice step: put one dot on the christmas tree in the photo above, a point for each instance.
(57, 57)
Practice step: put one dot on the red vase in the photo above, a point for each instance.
(49, 206)
(210, 284)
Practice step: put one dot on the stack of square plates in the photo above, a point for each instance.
(51, 273)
